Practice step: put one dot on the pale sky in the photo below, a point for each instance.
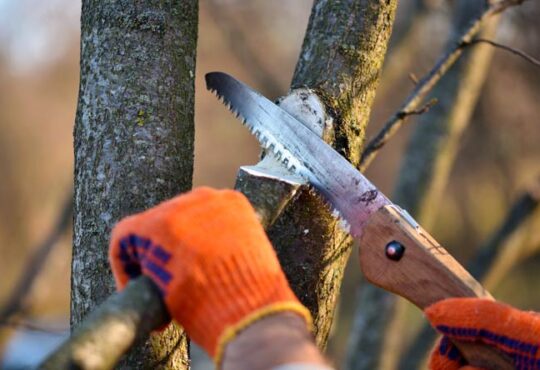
(34, 32)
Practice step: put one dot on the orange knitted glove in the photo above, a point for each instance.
(210, 257)
(513, 332)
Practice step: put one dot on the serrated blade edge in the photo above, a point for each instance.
(344, 187)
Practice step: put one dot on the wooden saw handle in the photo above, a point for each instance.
(424, 273)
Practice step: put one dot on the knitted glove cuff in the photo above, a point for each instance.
(229, 291)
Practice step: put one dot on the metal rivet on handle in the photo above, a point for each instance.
(394, 250)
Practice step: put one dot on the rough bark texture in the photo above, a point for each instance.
(341, 60)
(342, 57)
(133, 138)
(421, 182)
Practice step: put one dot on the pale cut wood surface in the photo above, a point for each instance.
(425, 274)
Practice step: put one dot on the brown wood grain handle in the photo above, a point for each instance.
(423, 273)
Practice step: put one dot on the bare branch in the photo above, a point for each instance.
(16, 301)
(422, 110)
(413, 78)
(426, 84)
(108, 332)
(529, 58)
(139, 308)
(402, 115)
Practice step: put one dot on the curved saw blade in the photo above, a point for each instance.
(302, 151)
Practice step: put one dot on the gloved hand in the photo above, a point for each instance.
(513, 332)
(212, 261)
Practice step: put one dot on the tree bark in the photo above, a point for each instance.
(133, 139)
(342, 56)
(423, 176)
(341, 59)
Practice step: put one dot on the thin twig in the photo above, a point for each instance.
(15, 302)
(529, 58)
(413, 78)
(426, 84)
(403, 115)
(424, 109)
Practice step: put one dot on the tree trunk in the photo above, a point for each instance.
(341, 60)
(133, 140)
(423, 176)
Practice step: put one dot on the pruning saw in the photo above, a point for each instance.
(396, 253)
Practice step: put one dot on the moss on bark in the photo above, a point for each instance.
(341, 59)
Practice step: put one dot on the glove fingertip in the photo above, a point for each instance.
(455, 310)
(439, 310)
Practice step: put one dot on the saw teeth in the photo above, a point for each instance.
(342, 221)
(345, 225)
(336, 213)
(267, 143)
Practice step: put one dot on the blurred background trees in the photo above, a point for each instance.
(496, 158)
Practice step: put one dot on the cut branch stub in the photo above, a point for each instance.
(268, 188)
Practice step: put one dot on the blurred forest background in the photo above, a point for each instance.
(258, 41)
